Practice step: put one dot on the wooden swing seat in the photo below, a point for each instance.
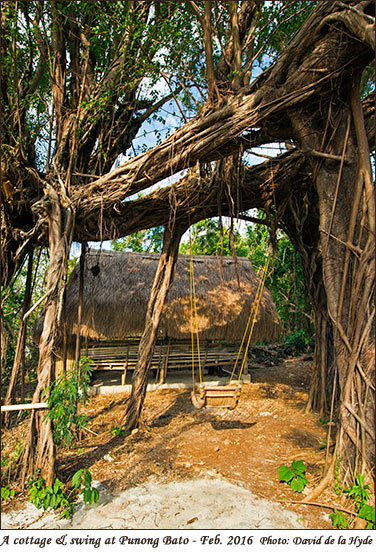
(212, 395)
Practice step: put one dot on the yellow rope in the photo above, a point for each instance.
(195, 312)
(252, 317)
(257, 299)
(254, 308)
(193, 302)
(191, 317)
(255, 314)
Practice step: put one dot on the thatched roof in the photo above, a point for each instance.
(116, 297)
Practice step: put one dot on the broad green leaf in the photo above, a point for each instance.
(87, 479)
(285, 474)
(76, 479)
(57, 485)
(367, 512)
(339, 520)
(298, 466)
(87, 495)
(298, 484)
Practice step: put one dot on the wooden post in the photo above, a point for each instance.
(162, 378)
(80, 302)
(206, 355)
(245, 370)
(158, 372)
(124, 375)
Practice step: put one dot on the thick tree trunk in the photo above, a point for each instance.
(346, 205)
(39, 453)
(162, 281)
(21, 340)
(300, 218)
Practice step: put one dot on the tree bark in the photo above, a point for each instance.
(162, 281)
(39, 453)
(346, 205)
(300, 219)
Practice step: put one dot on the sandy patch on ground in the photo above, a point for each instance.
(194, 504)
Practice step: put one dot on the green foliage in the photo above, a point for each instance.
(9, 458)
(7, 493)
(209, 237)
(294, 475)
(368, 513)
(66, 393)
(44, 497)
(82, 480)
(4, 458)
(285, 282)
(118, 430)
(149, 240)
(277, 24)
(298, 341)
(360, 494)
(339, 520)
(359, 491)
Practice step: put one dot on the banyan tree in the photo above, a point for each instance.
(85, 75)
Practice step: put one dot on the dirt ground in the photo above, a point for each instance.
(178, 444)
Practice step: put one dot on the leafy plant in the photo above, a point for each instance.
(43, 496)
(360, 494)
(69, 390)
(339, 520)
(4, 458)
(7, 493)
(118, 430)
(298, 341)
(294, 475)
(368, 513)
(359, 491)
(82, 480)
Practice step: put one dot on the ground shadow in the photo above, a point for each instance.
(182, 404)
(304, 439)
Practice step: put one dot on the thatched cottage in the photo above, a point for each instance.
(117, 286)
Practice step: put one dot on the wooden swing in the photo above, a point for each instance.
(213, 395)
(225, 396)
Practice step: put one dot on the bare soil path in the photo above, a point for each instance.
(211, 467)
